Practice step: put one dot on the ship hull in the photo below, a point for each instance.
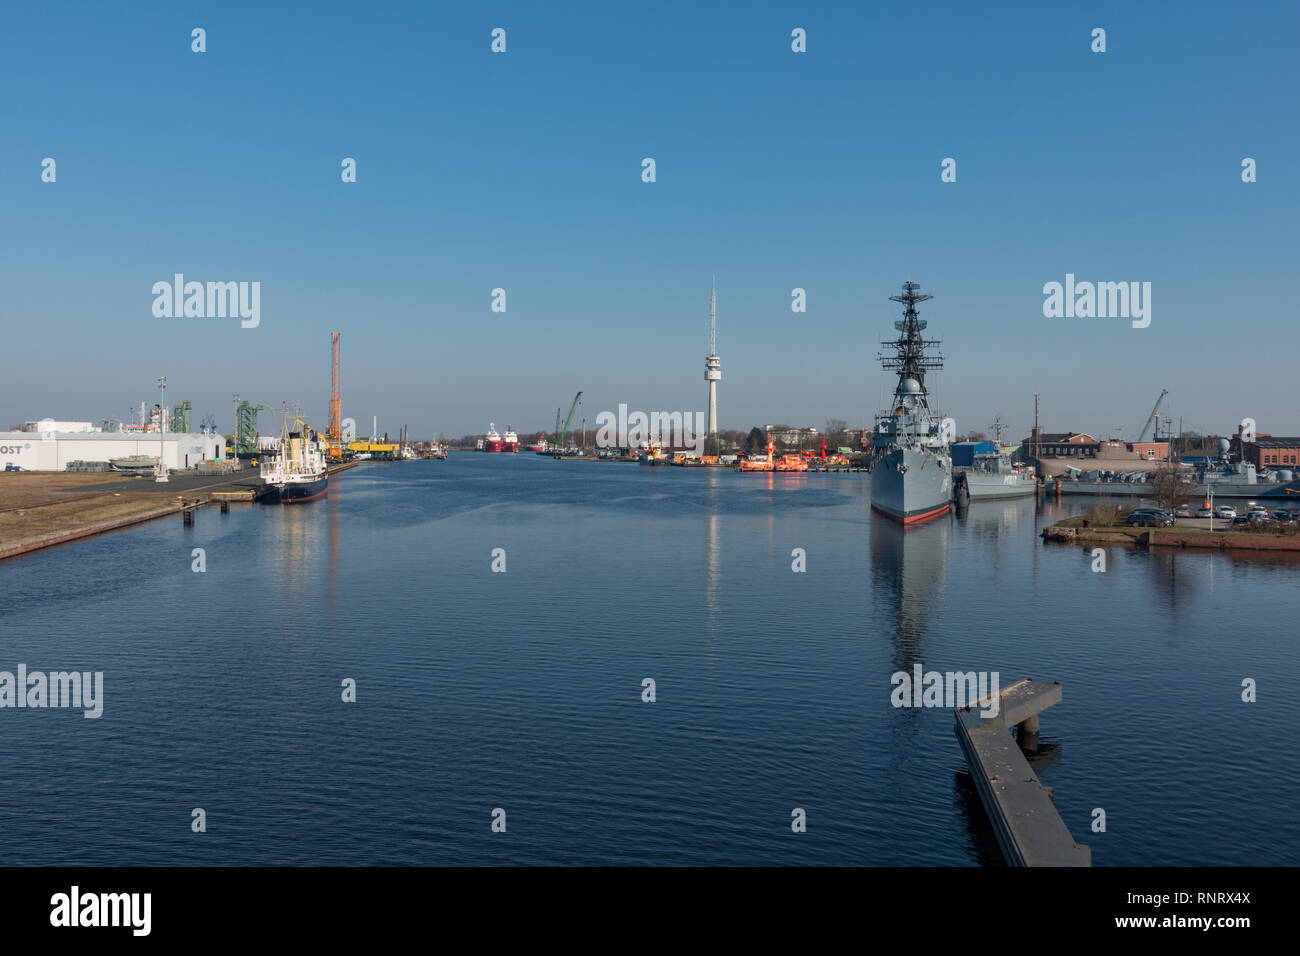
(984, 487)
(493, 446)
(910, 487)
(297, 492)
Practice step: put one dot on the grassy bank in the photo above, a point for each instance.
(1073, 531)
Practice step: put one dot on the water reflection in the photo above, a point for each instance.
(909, 571)
(712, 552)
(291, 545)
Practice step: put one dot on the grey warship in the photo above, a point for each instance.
(911, 471)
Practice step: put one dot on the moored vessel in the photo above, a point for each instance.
(983, 472)
(651, 454)
(297, 471)
(510, 440)
(911, 473)
(492, 441)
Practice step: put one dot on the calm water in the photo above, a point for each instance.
(522, 690)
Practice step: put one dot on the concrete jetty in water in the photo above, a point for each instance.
(1022, 811)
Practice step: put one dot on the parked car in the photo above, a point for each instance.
(1182, 511)
(1241, 520)
(1205, 512)
(1261, 517)
(1282, 514)
(1148, 519)
(1225, 511)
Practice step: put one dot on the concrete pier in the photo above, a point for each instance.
(1021, 810)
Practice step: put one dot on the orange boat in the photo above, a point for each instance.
(753, 463)
(771, 463)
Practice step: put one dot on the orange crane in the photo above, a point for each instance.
(336, 406)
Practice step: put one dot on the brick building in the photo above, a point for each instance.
(1268, 451)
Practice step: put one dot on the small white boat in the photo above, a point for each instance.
(135, 464)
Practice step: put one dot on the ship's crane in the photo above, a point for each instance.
(568, 421)
(1152, 417)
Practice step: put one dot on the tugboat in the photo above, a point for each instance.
(297, 472)
(911, 472)
(652, 454)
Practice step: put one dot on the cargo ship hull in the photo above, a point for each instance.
(910, 486)
(296, 492)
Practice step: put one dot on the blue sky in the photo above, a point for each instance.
(775, 170)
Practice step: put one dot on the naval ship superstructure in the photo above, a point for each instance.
(911, 471)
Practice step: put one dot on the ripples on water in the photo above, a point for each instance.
(523, 690)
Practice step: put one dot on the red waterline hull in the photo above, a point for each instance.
(915, 519)
(492, 446)
(298, 501)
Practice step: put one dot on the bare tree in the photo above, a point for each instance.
(1168, 489)
(836, 432)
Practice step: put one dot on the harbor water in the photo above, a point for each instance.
(522, 689)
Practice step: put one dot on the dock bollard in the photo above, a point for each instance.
(225, 507)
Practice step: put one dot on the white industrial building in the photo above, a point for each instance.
(53, 450)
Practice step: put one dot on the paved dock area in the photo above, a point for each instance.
(177, 484)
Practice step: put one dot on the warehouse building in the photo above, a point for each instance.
(53, 450)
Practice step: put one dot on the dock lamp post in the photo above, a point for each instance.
(162, 428)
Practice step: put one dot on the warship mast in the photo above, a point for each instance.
(910, 359)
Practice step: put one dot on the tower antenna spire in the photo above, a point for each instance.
(713, 364)
(713, 319)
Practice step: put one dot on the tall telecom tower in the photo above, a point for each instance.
(713, 364)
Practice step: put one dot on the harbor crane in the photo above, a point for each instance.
(1155, 411)
(568, 421)
(336, 403)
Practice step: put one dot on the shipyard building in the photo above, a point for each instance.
(48, 445)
